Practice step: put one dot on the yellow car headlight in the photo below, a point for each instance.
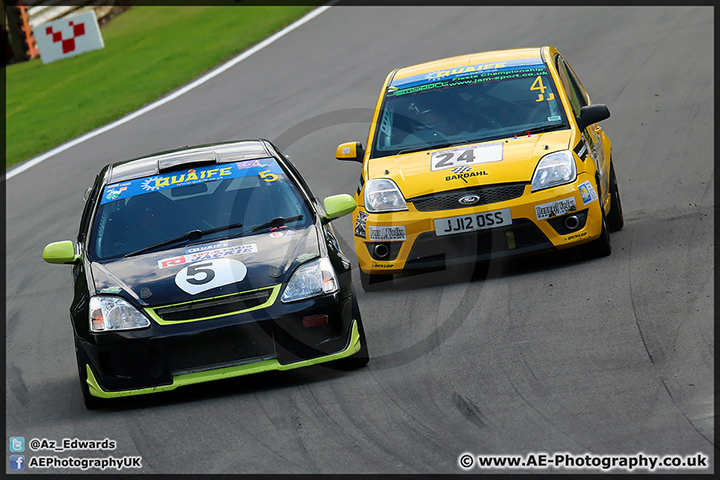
(557, 168)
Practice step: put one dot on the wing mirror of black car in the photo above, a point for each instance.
(350, 151)
(60, 252)
(590, 114)
(338, 206)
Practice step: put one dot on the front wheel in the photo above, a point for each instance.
(91, 403)
(615, 218)
(602, 247)
(360, 358)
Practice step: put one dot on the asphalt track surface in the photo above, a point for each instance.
(555, 354)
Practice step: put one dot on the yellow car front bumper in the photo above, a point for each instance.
(540, 222)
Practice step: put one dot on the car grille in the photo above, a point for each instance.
(237, 346)
(214, 307)
(522, 233)
(449, 200)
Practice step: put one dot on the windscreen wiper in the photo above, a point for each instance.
(442, 145)
(273, 222)
(190, 235)
(541, 129)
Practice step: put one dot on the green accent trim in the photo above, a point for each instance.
(337, 206)
(227, 372)
(60, 252)
(273, 296)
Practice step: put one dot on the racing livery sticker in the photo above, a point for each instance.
(386, 234)
(582, 149)
(577, 236)
(464, 156)
(360, 224)
(587, 192)
(553, 209)
(207, 254)
(211, 246)
(405, 85)
(464, 172)
(268, 169)
(200, 277)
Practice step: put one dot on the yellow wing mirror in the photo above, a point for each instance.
(351, 151)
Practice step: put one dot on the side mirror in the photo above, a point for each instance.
(338, 206)
(590, 114)
(351, 151)
(60, 252)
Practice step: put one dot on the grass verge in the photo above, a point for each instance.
(148, 52)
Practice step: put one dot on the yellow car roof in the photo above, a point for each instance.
(471, 59)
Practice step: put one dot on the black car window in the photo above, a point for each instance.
(575, 93)
(473, 103)
(138, 213)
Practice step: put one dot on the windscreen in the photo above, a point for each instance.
(471, 103)
(135, 214)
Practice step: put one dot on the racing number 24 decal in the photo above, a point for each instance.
(202, 276)
(458, 157)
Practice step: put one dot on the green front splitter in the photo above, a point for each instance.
(227, 372)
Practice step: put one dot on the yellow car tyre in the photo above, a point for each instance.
(615, 218)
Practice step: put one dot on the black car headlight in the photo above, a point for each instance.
(114, 313)
(311, 279)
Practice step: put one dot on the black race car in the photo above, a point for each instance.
(205, 263)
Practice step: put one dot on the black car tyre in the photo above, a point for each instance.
(615, 218)
(361, 357)
(602, 247)
(372, 283)
(91, 403)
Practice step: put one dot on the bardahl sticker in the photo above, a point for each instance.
(206, 255)
(553, 209)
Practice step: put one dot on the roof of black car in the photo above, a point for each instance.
(156, 163)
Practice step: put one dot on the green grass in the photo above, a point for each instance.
(148, 52)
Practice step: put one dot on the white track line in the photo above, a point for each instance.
(169, 98)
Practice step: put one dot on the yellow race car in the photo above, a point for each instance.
(478, 157)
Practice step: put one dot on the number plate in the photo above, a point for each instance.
(468, 223)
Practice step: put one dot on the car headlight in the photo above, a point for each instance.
(311, 279)
(114, 313)
(554, 169)
(382, 195)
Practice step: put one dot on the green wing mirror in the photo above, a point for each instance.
(60, 252)
(337, 206)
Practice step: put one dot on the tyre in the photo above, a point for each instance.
(602, 247)
(360, 358)
(615, 218)
(372, 283)
(91, 403)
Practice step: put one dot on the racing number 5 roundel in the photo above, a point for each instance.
(201, 276)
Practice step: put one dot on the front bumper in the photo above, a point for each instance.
(164, 357)
(528, 234)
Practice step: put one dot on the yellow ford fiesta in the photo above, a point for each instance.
(482, 156)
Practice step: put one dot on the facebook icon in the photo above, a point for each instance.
(17, 462)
